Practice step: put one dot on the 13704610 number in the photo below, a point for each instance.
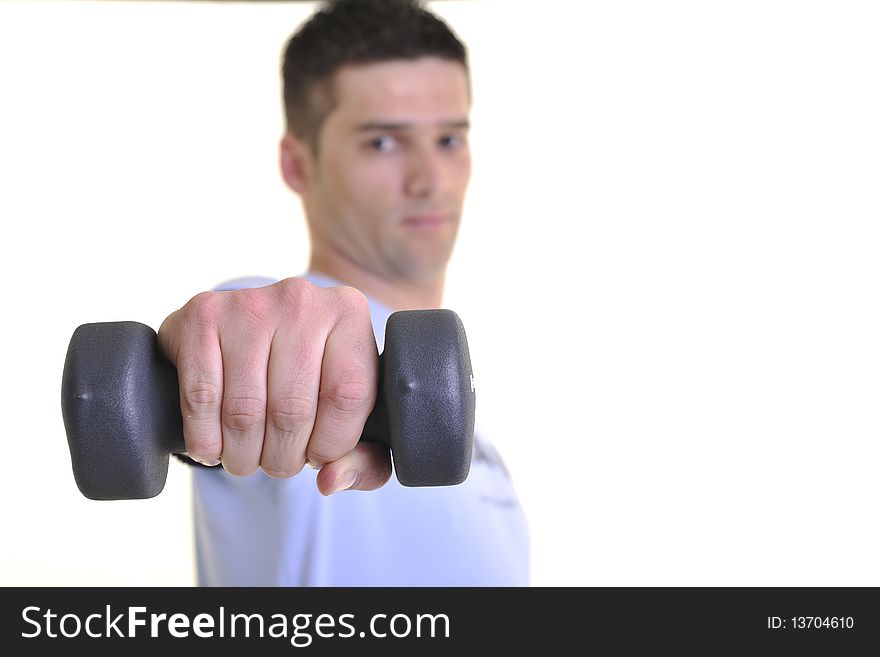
(822, 622)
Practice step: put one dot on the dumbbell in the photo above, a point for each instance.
(121, 405)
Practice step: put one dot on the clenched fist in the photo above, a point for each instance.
(277, 377)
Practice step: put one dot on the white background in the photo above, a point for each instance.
(668, 271)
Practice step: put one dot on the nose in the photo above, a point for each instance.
(424, 173)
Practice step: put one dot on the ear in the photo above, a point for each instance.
(297, 163)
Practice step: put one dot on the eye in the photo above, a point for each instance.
(383, 143)
(452, 141)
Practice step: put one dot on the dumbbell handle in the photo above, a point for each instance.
(168, 406)
(375, 430)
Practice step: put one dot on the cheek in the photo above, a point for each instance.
(460, 164)
(377, 186)
(461, 174)
(361, 193)
(350, 191)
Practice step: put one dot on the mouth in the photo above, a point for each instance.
(427, 221)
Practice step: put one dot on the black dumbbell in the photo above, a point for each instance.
(121, 405)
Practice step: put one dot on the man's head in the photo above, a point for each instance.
(377, 98)
(350, 32)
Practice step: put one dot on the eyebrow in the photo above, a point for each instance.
(462, 124)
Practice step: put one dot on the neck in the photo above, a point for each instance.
(395, 294)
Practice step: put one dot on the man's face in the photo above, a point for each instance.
(386, 187)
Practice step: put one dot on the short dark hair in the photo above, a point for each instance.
(344, 32)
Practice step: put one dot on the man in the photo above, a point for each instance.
(277, 376)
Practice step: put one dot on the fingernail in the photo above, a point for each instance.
(209, 462)
(346, 481)
(313, 465)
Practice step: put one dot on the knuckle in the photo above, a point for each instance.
(296, 285)
(254, 305)
(352, 300)
(204, 307)
(352, 393)
(295, 290)
(200, 396)
(290, 413)
(243, 413)
(320, 456)
(294, 296)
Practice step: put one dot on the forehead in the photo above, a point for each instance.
(425, 90)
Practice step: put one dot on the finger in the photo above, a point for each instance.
(366, 467)
(294, 379)
(349, 382)
(194, 350)
(243, 415)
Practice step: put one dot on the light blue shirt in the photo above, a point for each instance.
(260, 531)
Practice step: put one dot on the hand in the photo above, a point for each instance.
(277, 377)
